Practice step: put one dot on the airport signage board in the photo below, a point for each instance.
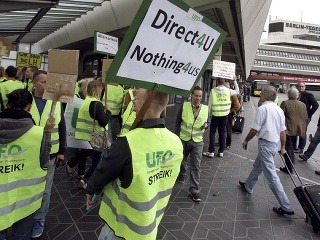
(223, 69)
(167, 48)
(105, 44)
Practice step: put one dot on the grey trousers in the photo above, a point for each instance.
(194, 149)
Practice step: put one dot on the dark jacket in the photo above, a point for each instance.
(15, 123)
(310, 102)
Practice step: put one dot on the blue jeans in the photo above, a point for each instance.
(21, 230)
(107, 234)
(314, 143)
(43, 210)
(194, 149)
(219, 123)
(265, 163)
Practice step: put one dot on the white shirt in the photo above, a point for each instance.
(269, 122)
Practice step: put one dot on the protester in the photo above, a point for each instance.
(40, 112)
(128, 114)
(191, 123)
(269, 126)
(92, 112)
(138, 178)
(312, 105)
(295, 113)
(219, 107)
(22, 188)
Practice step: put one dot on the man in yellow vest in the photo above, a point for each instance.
(138, 175)
(191, 123)
(219, 108)
(40, 112)
(24, 152)
(9, 85)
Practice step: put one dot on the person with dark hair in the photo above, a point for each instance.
(40, 112)
(2, 75)
(10, 85)
(90, 113)
(137, 178)
(219, 107)
(25, 162)
(191, 122)
(269, 126)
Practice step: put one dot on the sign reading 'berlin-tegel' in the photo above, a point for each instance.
(167, 48)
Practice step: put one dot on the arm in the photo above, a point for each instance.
(249, 136)
(236, 86)
(62, 134)
(178, 122)
(314, 105)
(116, 165)
(45, 149)
(283, 142)
(101, 115)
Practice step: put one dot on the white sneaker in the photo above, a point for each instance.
(208, 154)
(220, 154)
(83, 184)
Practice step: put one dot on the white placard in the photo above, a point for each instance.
(106, 44)
(70, 119)
(223, 69)
(170, 47)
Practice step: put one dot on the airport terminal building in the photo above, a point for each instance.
(290, 54)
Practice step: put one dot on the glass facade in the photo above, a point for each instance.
(288, 54)
(294, 66)
(308, 37)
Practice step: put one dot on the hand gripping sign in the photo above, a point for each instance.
(167, 48)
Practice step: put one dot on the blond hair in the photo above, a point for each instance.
(94, 89)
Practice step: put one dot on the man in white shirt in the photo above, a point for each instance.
(269, 126)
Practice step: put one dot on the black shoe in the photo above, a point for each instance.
(279, 210)
(298, 150)
(196, 197)
(317, 172)
(285, 170)
(303, 157)
(243, 186)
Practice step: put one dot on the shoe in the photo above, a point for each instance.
(303, 157)
(228, 146)
(310, 137)
(37, 229)
(317, 172)
(208, 154)
(298, 150)
(279, 210)
(243, 186)
(285, 170)
(220, 154)
(181, 179)
(69, 170)
(196, 197)
(83, 183)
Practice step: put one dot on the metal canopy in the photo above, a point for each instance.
(28, 21)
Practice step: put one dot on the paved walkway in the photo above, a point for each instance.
(226, 212)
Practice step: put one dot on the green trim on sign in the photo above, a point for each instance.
(111, 75)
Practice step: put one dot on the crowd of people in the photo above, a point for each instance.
(130, 179)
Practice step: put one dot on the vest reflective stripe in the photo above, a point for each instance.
(23, 181)
(85, 123)
(221, 102)
(115, 98)
(135, 212)
(7, 87)
(41, 121)
(128, 116)
(190, 126)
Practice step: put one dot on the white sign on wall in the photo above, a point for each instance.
(223, 69)
(105, 44)
(171, 47)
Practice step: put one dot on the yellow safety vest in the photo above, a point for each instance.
(191, 125)
(41, 121)
(115, 96)
(85, 123)
(22, 180)
(221, 102)
(8, 87)
(128, 116)
(135, 212)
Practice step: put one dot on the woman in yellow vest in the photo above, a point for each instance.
(92, 112)
(22, 165)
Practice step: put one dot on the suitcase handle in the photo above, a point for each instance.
(294, 169)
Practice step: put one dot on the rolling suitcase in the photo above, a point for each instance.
(238, 124)
(309, 199)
